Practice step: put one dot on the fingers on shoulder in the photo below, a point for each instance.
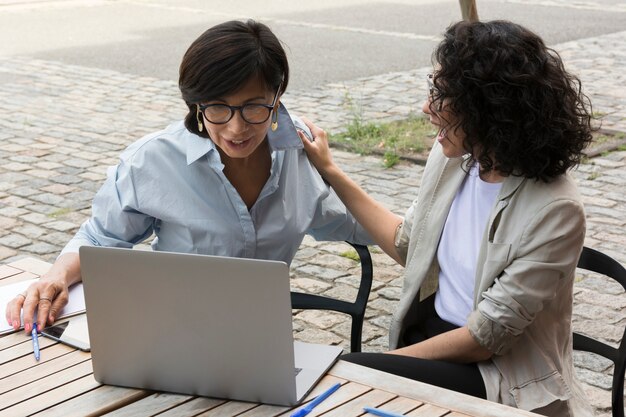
(315, 130)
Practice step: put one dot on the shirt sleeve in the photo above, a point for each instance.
(116, 219)
(548, 253)
(333, 221)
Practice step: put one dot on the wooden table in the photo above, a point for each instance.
(62, 384)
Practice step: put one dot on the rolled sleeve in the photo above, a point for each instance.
(115, 220)
(548, 253)
(403, 233)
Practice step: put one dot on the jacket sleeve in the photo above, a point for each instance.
(548, 251)
(403, 233)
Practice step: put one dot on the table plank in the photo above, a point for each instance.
(23, 349)
(103, 399)
(152, 404)
(400, 405)
(12, 339)
(7, 271)
(46, 383)
(266, 410)
(428, 410)
(53, 397)
(343, 395)
(43, 369)
(230, 408)
(34, 265)
(22, 276)
(354, 408)
(442, 397)
(193, 407)
(26, 362)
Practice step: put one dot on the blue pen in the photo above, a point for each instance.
(33, 335)
(310, 406)
(381, 413)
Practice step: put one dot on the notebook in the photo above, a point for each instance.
(196, 324)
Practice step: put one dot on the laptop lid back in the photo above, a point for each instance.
(192, 324)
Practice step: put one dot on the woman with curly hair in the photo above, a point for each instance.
(492, 241)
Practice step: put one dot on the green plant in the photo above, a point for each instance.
(602, 139)
(410, 136)
(60, 212)
(390, 158)
(592, 176)
(351, 254)
(598, 114)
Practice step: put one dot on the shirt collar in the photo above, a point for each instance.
(284, 137)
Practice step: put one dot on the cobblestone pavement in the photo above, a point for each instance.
(62, 125)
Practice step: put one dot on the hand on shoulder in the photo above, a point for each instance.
(317, 148)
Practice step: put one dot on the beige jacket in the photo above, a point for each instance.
(523, 290)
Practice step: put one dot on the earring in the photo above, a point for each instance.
(274, 121)
(198, 117)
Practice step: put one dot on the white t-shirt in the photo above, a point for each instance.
(458, 248)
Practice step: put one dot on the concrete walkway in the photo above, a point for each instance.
(62, 125)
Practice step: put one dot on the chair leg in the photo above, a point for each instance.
(356, 333)
(617, 400)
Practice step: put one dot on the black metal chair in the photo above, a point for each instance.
(355, 309)
(593, 260)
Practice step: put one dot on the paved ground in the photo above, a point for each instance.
(61, 125)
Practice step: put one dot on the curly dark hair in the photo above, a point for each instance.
(522, 113)
(224, 58)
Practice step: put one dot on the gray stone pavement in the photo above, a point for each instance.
(62, 125)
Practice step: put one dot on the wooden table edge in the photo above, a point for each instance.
(441, 397)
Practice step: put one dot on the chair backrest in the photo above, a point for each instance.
(593, 260)
(355, 309)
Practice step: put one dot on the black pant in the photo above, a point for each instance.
(465, 378)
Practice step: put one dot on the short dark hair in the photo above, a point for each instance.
(224, 58)
(521, 111)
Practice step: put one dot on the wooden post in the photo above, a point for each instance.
(469, 10)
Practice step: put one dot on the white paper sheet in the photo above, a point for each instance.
(75, 305)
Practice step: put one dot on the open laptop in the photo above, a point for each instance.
(197, 324)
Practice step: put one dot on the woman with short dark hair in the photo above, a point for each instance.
(492, 241)
(230, 180)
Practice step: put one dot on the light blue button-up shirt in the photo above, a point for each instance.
(171, 183)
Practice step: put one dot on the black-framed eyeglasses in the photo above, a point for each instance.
(253, 113)
(433, 93)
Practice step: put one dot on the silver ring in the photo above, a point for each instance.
(45, 299)
(21, 295)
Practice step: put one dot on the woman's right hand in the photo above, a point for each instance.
(47, 296)
(317, 149)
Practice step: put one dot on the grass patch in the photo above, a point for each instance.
(351, 254)
(413, 136)
(598, 114)
(602, 138)
(59, 212)
(593, 176)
